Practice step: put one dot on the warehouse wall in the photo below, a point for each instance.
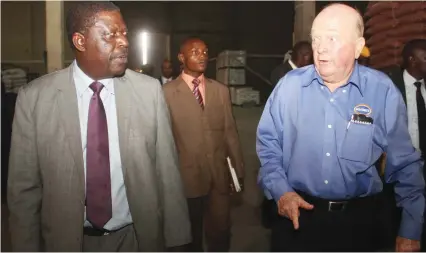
(258, 27)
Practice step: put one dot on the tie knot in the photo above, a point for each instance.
(196, 82)
(418, 84)
(96, 87)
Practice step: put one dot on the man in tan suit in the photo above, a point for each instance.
(93, 165)
(205, 135)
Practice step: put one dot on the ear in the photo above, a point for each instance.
(181, 58)
(79, 42)
(359, 45)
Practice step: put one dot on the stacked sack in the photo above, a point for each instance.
(389, 25)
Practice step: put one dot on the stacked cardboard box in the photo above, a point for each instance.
(230, 70)
(389, 25)
(244, 95)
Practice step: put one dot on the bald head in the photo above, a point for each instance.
(337, 40)
(342, 12)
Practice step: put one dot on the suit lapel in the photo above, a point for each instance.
(207, 92)
(68, 109)
(183, 89)
(123, 88)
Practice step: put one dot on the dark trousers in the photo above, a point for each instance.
(210, 216)
(351, 229)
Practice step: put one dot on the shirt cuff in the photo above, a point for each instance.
(410, 228)
(279, 188)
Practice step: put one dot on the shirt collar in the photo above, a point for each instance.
(293, 66)
(354, 79)
(188, 79)
(409, 80)
(83, 81)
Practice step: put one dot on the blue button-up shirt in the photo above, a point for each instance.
(305, 142)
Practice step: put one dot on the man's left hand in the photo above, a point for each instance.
(406, 245)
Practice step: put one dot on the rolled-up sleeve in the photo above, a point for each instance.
(272, 177)
(404, 167)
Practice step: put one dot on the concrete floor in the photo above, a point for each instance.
(247, 231)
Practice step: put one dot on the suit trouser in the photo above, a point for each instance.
(210, 214)
(124, 240)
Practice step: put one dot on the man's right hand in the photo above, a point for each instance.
(289, 204)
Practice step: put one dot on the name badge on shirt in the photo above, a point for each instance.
(361, 115)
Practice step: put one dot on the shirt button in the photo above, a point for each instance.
(329, 126)
(327, 154)
(344, 91)
(326, 181)
(331, 100)
(322, 87)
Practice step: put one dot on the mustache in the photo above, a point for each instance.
(122, 54)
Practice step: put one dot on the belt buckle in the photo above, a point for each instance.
(105, 233)
(334, 203)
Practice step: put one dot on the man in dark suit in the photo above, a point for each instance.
(301, 56)
(205, 133)
(411, 82)
(93, 164)
(166, 72)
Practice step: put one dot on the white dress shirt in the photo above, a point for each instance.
(120, 207)
(413, 119)
(166, 80)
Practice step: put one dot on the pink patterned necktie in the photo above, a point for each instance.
(197, 92)
(98, 178)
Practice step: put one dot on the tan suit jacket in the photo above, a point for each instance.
(204, 138)
(46, 189)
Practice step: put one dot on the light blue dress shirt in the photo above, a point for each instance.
(305, 142)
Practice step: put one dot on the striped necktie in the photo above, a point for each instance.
(197, 92)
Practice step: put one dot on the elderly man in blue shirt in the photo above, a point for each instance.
(322, 130)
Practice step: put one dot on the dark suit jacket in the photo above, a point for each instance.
(279, 72)
(395, 73)
(46, 190)
(204, 138)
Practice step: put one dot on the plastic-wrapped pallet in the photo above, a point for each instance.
(389, 26)
(230, 58)
(231, 76)
(244, 95)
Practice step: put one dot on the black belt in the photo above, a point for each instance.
(339, 205)
(90, 231)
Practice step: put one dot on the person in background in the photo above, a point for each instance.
(301, 56)
(93, 164)
(411, 83)
(322, 130)
(166, 72)
(364, 58)
(206, 134)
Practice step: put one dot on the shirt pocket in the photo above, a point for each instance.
(358, 143)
